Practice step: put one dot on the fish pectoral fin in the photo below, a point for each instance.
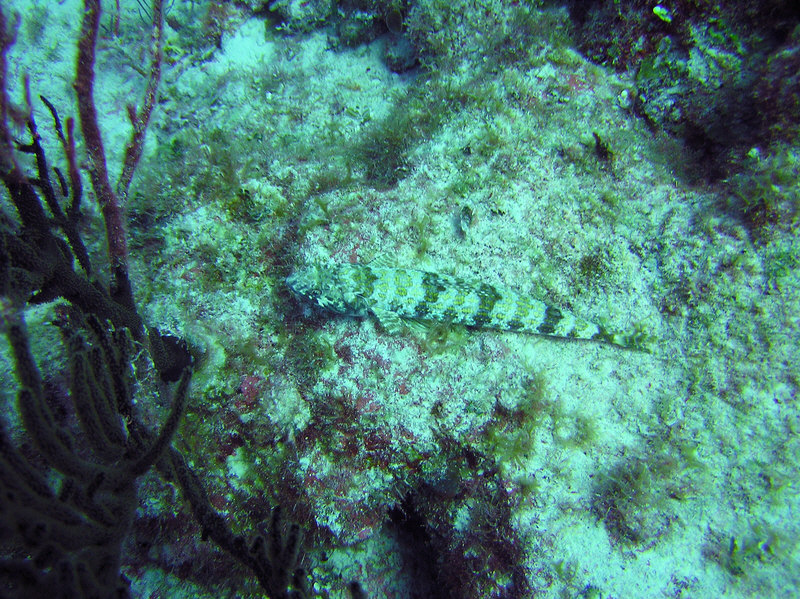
(417, 326)
(389, 320)
(395, 324)
(382, 261)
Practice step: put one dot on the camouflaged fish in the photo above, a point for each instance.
(400, 297)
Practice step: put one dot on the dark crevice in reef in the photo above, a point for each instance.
(419, 559)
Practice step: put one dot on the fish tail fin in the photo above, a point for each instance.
(637, 338)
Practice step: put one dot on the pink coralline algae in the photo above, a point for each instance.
(250, 389)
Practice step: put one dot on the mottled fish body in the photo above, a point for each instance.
(397, 296)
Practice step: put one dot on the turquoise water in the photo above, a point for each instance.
(638, 169)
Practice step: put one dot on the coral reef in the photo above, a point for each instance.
(68, 532)
(721, 76)
(647, 187)
(69, 505)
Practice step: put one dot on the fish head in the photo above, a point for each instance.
(322, 286)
